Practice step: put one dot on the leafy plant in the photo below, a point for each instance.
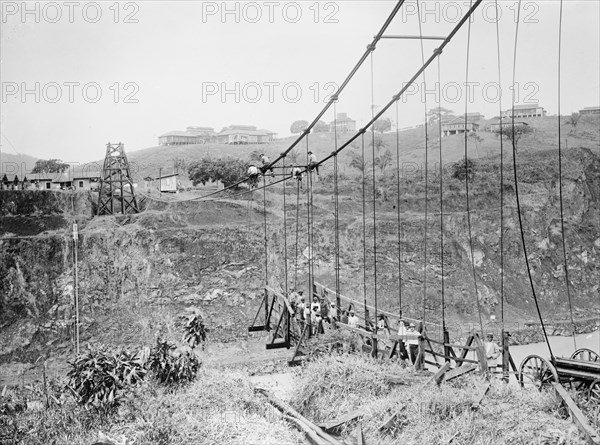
(173, 366)
(464, 169)
(195, 331)
(98, 376)
(227, 170)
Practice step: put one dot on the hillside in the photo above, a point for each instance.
(137, 274)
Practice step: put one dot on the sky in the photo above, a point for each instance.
(77, 75)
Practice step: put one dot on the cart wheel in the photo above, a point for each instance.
(586, 354)
(594, 392)
(537, 371)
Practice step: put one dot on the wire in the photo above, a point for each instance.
(514, 149)
(364, 226)
(398, 208)
(426, 172)
(441, 173)
(265, 232)
(374, 203)
(501, 182)
(285, 257)
(467, 182)
(337, 211)
(560, 187)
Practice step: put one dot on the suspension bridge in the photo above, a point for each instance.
(277, 312)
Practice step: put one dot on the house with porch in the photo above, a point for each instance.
(530, 110)
(244, 134)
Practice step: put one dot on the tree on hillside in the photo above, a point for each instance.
(572, 120)
(320, 127)
(516, 134)
(380, 143)
(382, 125)
(383, 161)
(298, 127)
(464, 169)
(434, 113)
(473, 136)
(50, 166)
(227, 170)
(357, 163)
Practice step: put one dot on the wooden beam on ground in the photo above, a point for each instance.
(456, 372)
(349, 417)
(477, 403)
(438, 376)
(360, 440)
(387, 424)
(288, 410)
(591, 436)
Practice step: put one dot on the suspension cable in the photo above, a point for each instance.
(265, 233)
(467, 182)
(501, 182)
(374, 203)
(337, 211)
(514, 150)
(560, 187)
(309, 227)
(364, 226)
(297, 229)
(398, 208)
(285, 258)
(426, 172)
(441, 173)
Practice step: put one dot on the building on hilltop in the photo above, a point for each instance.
(342, 123)
(530, 110)
(459, 126)
(244, 134)
(589, 110)
(192, 135)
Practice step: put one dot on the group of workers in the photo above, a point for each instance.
(321, 315)
(297, 172)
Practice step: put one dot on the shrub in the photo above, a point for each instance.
(194, 329)
(97, 376)
(173, 366)
(464, 169)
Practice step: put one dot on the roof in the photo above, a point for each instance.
(461, 120)
(248, 132)
(178, 133)
(591, 108)
(525, 107)
(508, 121)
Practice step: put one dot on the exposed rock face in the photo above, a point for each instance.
(138, 272)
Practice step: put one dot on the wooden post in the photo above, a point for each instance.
(481, 356)
(505, 356)
(446, 347)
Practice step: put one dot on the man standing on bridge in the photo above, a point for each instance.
(492, 352)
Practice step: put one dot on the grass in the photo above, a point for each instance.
(217, 408)
(331, 387)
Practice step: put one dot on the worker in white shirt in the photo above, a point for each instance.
(333, 312)
(312, 162)
(265, 163)
(402, 346)
(353, 320)
(492, 352)
(412, 339)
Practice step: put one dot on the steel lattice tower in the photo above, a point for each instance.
(116, 183)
